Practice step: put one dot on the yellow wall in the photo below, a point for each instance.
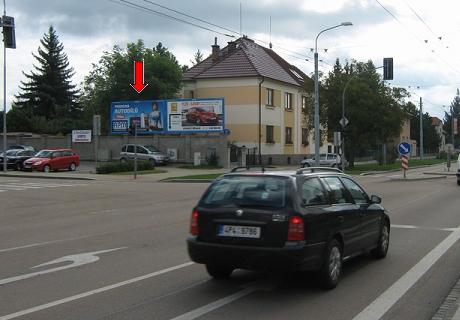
(245, 132)
(232, 95)
(405, 132)
(289, 149)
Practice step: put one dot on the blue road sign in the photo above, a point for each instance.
(404, 148)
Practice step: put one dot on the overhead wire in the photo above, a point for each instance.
(130, 4)
(142, 8)
(417, 37)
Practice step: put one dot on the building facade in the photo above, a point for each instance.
(265, 100)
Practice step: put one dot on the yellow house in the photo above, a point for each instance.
(265, 99)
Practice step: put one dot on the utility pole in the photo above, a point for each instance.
(452, 120)
(421, 129)
(5, 166)
(9, 41)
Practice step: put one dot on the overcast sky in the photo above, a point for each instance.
(420, 36)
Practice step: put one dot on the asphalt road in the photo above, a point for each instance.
(116, 250)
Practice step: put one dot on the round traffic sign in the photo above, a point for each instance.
(404, 148)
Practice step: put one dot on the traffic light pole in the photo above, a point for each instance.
(4, 96)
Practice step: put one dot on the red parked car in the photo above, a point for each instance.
(201, 117)
(48, 160)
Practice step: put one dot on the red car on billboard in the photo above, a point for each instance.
(201, 117)
(53, 160)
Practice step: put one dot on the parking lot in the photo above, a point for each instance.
(116, 250)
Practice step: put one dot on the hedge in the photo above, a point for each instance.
(112, 167)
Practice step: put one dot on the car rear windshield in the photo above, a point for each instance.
(152, 148)
(44, 154)
(247, 191)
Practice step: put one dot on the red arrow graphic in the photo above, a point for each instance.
(139, 76)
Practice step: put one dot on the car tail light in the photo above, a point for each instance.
(296, 229)
(194, 223)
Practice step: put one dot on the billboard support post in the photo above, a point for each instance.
(97, 133)
(135, 151)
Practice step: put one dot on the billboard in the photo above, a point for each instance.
(167, 116)
(201, 115)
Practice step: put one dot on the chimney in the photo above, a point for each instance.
(231, 46)
(215, 51)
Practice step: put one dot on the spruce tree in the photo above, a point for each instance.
(48, 91)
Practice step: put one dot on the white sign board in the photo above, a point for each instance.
(81, 136)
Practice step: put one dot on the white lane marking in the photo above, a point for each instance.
(76, 259)
(391, 296)
(213, 305)
(37, 244)
(402, 226)
(92, 292)
(103, 211)
(405, 226)
(258, 285)
(20, 185)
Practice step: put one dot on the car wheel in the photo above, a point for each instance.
(152, 162)
(219, 272)
(458, 182)
(198, 122)
(332, 266)
(123, 160)
(384, 242)
(18, 167)
(46, 168)
(73, 167)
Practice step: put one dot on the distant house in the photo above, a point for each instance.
(265, 99)
(438, 124)
(404, 136)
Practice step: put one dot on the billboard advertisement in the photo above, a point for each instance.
(149, 116)
(167, 116)
(201, 115)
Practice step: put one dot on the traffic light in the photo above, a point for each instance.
(9, 37)
(387, 68)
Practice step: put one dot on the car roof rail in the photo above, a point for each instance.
(318, 169)
(251, 167)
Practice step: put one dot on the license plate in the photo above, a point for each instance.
(239, 231)
(27, 166)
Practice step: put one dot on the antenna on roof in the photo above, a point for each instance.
(241, 20)
(270, 44)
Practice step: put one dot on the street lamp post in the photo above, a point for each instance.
(317, 135)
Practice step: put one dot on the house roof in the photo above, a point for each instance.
(435, 121)
(247, 59)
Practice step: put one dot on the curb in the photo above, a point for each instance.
(440, 173)
(417, 179)
(368, 173)
(188, 180)
(45, 177)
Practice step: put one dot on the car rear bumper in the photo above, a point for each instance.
(293, 256)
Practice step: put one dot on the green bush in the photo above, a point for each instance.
(112, 167)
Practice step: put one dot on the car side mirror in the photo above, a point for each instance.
(376, 199)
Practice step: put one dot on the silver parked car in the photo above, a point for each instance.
(325, 160)
(147, 153)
